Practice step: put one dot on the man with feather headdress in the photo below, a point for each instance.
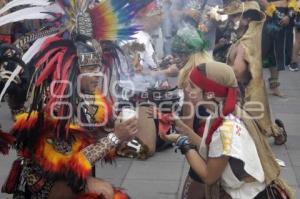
(63, 133)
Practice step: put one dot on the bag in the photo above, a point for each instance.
(272, 191)
(276, 192)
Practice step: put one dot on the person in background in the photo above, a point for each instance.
(202, 14)
(245, 58)
(274, 40)
(294, 65)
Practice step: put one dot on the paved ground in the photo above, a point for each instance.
(161, 176)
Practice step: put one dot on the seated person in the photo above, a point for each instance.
(140, 75)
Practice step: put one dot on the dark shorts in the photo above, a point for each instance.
(275, 44)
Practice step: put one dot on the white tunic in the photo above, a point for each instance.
(232, 139)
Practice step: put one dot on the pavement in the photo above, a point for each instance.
(161, 176)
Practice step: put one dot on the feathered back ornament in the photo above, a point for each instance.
(107, 20)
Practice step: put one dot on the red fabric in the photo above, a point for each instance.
(5, 38)
(164, 123)
(13, 177)
(219, 90)
(207, 85)
(200, 130)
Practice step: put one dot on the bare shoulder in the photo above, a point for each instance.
(240, 50)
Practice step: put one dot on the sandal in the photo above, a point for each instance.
(280, 139)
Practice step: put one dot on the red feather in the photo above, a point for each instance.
(57, 73)
(49, 68)
(49, 41)
(7, 137)
(60, 88)
(46, 57)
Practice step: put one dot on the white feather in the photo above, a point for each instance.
(14, 74)
(55, 8)
(34, 49)
(16, 3)
(24, 14)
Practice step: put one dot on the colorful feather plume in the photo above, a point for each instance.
(25, 121)
(111, 19)
(57, 163)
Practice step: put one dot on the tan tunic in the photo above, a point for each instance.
(255, 90)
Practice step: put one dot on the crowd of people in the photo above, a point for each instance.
(89, 80)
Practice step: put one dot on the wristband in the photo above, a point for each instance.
(186, 148)
(182, 140)
(114, 139)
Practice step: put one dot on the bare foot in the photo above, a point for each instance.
(278, 93)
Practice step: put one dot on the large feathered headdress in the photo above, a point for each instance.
(105, 21)
(108, 20)
(85, 35)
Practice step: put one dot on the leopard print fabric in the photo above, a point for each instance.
(44, 192)
(32, 173)
(98, 150)
(61, 146)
